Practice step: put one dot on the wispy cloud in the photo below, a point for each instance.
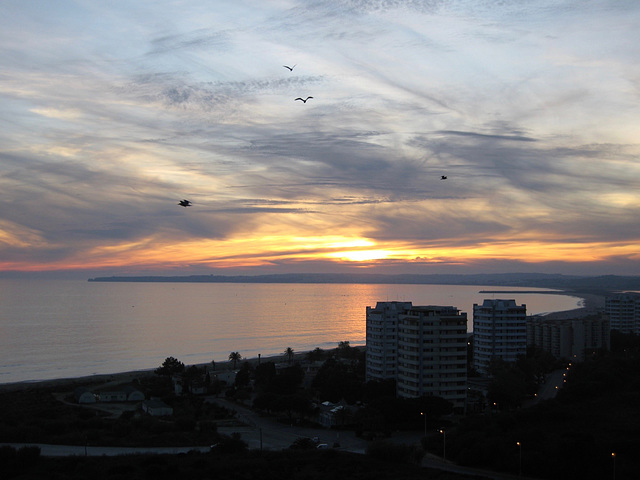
(111, 114)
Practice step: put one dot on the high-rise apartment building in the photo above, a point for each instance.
(623, 310)
(499, 331)
(423, 348)
(432, 354)
(382, 339)
(571, 339)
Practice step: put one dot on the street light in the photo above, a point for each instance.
(613, 457)
(444, 445)
(520, 464)
(425, 423)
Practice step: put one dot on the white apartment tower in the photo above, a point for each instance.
(382, 339)
(424, 349)
(499, 331)
(624, 312)
(432, 354)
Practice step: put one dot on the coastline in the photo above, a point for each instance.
(70, 383)
(592, 304)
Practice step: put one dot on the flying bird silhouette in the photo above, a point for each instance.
(289, 68)
(185, 203)
(443, 177)
(303, 100)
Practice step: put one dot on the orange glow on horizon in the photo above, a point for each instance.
(154, 254)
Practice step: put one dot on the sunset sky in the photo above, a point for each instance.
(113, 111)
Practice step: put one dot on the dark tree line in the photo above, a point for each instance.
(572, 436)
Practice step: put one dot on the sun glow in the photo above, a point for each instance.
(361, 255)
(243, 251)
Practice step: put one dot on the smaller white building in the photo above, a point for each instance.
(156, 408)
(113, 396)
(332, 414)
(133, 394)
(84, 395)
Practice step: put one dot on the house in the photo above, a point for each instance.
(227, 378)
(83, 395)
(198, 388)
(156, 408)
(113, 396)
(127, 393)
(310, 371)
(333, 414)
(133, 394)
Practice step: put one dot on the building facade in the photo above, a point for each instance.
(573, 339)
(623, 310)
(382, 339)
(499, 331)
(424, 349)
(432, 354)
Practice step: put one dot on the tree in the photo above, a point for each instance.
(264, 375)
(244, 375)
(170, 366)
(287, 380)
(235, 357)
(289, 353)
(315, 354)
(336, 380)
(345, 350)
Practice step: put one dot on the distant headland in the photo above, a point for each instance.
(602, 284)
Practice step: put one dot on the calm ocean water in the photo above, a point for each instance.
(62, 328)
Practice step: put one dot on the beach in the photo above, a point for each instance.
(120, 378)
(592, 304)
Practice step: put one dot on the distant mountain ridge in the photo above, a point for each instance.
(601, 284)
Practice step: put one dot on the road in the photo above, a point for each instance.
(553, 383)
(94, 451)
(265, 433)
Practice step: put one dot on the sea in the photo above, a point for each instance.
(52, 329)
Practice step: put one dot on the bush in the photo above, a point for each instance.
(396, 453)
(231, 444)
(303, 443)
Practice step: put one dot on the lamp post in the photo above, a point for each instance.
(425, 424)
(520, 462)
(444, 445)
(613, 457)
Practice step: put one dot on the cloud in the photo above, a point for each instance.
(105, 130)
(515, 138)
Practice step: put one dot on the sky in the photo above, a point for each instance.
(113, 112)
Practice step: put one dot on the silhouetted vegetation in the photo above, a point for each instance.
(512, 383)
(395, 453)
(341, 378)
(571, 437)
(36, 416)
(298, 464)
(171, 366)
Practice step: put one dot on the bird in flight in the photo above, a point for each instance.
(185, 203)
(303, 100)
(443, 177)
(289, 68)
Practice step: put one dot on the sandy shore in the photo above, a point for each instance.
(118, 378)
(592, 304)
